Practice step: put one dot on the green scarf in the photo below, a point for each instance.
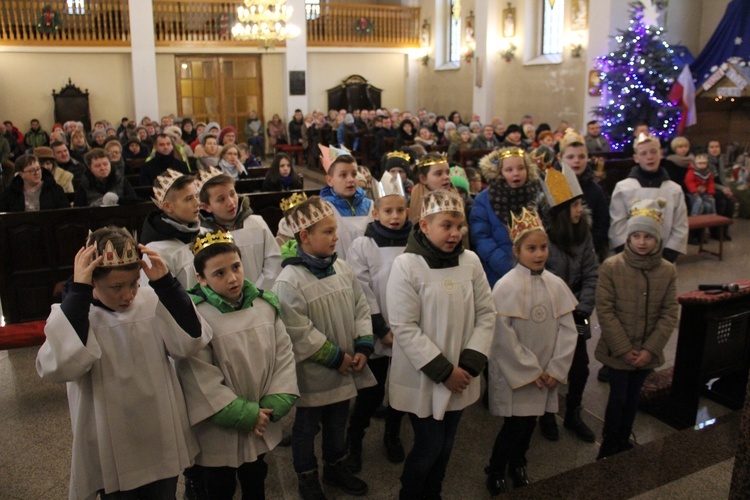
(250, 292)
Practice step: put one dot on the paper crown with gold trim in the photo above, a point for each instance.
(527, 222)
(298, 220)
(570, 137)
(208, 239)
(646, 215)
(205, 175)
(165, 182)
(389, 185)
(330, 153)
(648, 137)
(113, 258)
(433, 160)
(509, 152)
(560, 187)
(441, 200)
(291, 202)
(398, 154)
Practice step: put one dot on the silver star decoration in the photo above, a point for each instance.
(738, 40)
(650, 14)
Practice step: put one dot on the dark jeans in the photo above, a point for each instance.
(622, 406)
(257, 145)
(307, 424)
(512, 443)
(578, 375)
(221, 482)
(164, 489)
(426, 463)
(369, 398)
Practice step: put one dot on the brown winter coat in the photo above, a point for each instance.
(636, 303)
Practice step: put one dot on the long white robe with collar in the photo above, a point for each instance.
(261, 255)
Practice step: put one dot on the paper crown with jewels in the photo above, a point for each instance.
(317, 212)
(570, 137)
(510, 152)
(398, 154)
(204, 175)
(165, 182)
(527, 222)
(112, 258)
(387, 186)
(441, 200)
(434, 160)
(330, 153)
(289, 203)
(560, 187)
(201, 243)
(644, 137)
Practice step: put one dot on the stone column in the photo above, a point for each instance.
(143, 59)
(296, 60)
(486, 16)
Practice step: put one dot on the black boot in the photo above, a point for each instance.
(309, 486)
(195, 488)
(608, 448)
(548, 426)
(394, 450)
(495, 482)
(340, 476)
(518, 475)
(574, 423)
(353, 460)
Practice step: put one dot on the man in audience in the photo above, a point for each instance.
(595, 141)
(64, 160)
(36, 137)
(486, 140)
(161, 161)
(295, 128)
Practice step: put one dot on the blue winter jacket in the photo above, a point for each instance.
(360, 205)
(490, 239)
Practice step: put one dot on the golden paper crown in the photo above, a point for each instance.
(560, 187)
(644, 138)
(112, 258)
(520, 226)
(204, 175)
(298, 221)
(441, 200)
(165, 182)
(570, 137)
(653, 209)
(211, 239)
(291, 202)
(398, 154)
(428, 162)
(388, 185)
(508, 152)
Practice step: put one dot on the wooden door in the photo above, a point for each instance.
(223, 89)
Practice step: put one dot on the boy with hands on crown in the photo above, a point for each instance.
(441, 315)
(326, 314)
(111, 343)
(532, 350)
(239, 386)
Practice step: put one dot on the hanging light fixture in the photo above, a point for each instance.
(264, 21)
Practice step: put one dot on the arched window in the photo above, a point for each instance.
(553, 19)
(453, 48)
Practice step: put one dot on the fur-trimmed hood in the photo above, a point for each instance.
(490, 166)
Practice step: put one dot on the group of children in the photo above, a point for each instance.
(365, 296)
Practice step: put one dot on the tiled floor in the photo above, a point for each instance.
(35, 435)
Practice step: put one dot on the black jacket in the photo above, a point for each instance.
(52, 195)
(158, 164)
(156, 229)
(91, 190)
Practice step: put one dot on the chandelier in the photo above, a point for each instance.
(264, 21)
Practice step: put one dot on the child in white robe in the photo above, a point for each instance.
(532, 350)
(239, 386)
(110, 342)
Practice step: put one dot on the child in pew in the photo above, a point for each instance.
(352, 205)
(371, 257)
(172, 228)
(110, 342)
(701, 188)
(221, 209)
(326, 314)
(239, 386)
(535, 338)
(636, 303)
(281, 175)
(247, 158)
(441, 315)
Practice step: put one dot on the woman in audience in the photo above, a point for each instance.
(114, 153)
(207, 152)
(277, 131)
(78, 145)
(230, 163)
(33, 188)
(189, 134)
(281, 176)
(228, 135)
(425, 137)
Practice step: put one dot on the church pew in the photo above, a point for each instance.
(37, 248)
(471, 157)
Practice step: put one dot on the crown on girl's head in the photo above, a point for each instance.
(428, 162)
(441, 200)
(520, 226)
(112, 258)
(299, 221)
(204, 175)
(165, 182)
(509, 152)
(398, 154)
(291, 202)
(201, 243)
(330, 153)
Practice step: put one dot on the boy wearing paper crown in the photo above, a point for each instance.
(326, 314)
(172, 228)
(636, 303)
(239, 386)
(440, 312)
(350, 201)
(649, 180)
(371, 257)
(111, 342)
(223, 210)
(532, 350)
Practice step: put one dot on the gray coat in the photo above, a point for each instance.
(580, 273)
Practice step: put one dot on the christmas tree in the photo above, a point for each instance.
(636, 79)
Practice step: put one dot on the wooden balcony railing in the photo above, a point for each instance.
(96, 23)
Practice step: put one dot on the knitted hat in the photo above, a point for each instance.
(462, 129)
(646, 215)
(399, 159)
(513, 128)
(174, 132)
(225, 131)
